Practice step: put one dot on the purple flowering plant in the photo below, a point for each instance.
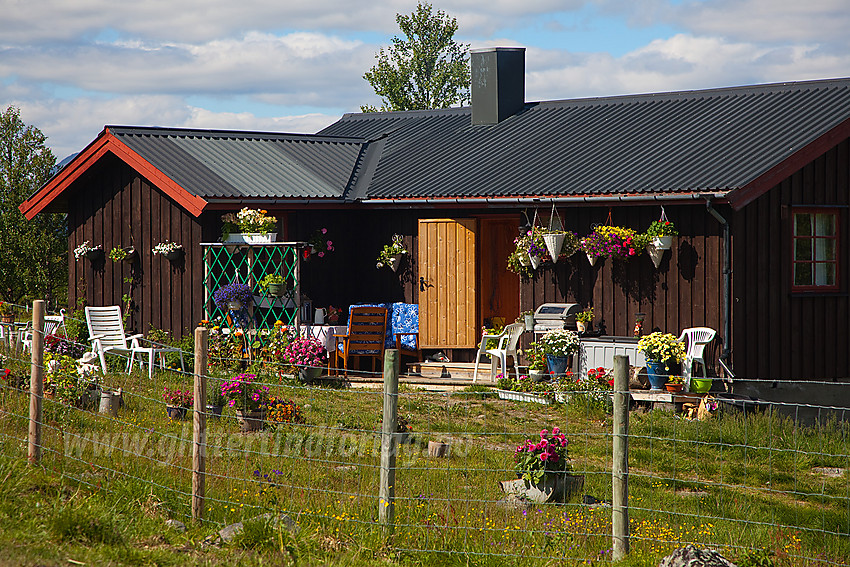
(532, 461)
(231, 292)
(305, 352)
(243, 393)
(179, 398)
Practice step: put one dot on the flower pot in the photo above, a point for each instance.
(524, 259)
(438, 449)
(234, 305)
(554, 242)
(176, 412)
(529, 322)
(174, 255)
(537, 375)
(7, 318)
(109, 402)
(555, 487)
(657, 374)
(655, 254)
(662, 242)
(523, 397)
(307, 374)
(592, 259)
(395, 261)
(131, 256)
(700, 385)
(95, 255)
(214, 411)
(276, 289)
(558, 365)
(250, 420)
(673, 387)
(581, 326)
(251, 237)
(534, 261)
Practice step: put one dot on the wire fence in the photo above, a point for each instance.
(749, 477)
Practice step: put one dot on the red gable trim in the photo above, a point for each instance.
(104, 143)
(739, 198)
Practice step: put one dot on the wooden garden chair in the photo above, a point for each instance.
(365, 338)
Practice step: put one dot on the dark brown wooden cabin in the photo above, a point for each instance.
(754, 176)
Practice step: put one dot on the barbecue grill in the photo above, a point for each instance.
(555, 316)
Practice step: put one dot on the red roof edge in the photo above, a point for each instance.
(743, 196)
(106, 142)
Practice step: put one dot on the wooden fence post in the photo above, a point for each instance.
(199, 422)
(36, 382)
(620, 465)
(389, 441)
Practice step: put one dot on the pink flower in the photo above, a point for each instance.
(544, 456)
(556, 431)
(330, 243)
(324, 231)
(321, 254)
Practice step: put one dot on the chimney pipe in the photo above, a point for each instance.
(498, 83)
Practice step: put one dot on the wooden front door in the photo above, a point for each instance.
(447, 285)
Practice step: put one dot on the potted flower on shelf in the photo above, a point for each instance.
(543, 470)
(123, 254)
(177, 402)
(307, 355)
(584, 320)
(86, 250)
(319, 244)
(251, 226)
(663, 352)
(559, 347)
(233, 296)
(527, 319)
(392, 253)
(274, 284)
(675, 383)
(249, 399)
(170, 250)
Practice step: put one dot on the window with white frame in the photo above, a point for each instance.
(815, 251)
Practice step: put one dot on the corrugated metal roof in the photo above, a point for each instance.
(695, 141)
(226, 164)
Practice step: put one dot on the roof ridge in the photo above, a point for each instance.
(224, 133)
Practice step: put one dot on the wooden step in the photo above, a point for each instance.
(449, 370)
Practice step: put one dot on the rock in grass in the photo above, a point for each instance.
(227, 533)
(692, 556)
(176, 524)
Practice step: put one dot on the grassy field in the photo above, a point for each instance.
(746, 485)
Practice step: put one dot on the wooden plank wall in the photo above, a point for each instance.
(683, 292)
(117, 207)
(778, 334)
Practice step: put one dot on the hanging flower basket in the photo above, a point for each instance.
(655, 254)
(554, 241)
(592, 259)
(662, 242)
(395, 261)
(534, 260)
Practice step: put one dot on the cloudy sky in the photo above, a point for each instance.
(73, 66)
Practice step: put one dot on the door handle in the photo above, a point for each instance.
(423, 284)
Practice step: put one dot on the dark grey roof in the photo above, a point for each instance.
(668, 143)
(216, 164)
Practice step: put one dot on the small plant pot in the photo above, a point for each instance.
(214, 411)
(250, 421)
(529, 322)
(109, 402)
(700, 385)
(308, 374)
(176, 412)
(95, 255)
(276, 289)
(438, 449)
(581, 326)
(395, 261)
(662, 242)
(673, 387)
(234, 305)
(174, 255)
(132, 255)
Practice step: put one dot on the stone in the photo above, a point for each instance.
(554, 488)
(692, 556)
(227, 533)
(176, 524)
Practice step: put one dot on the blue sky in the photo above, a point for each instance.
(73, 67)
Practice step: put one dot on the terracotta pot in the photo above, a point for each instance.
(673, 387)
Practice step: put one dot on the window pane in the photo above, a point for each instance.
(802, 224)
(825, 225)
(803, 249)
(825, 249)
(825, 274)
(802, 274)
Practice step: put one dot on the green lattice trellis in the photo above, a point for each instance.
(249, 264)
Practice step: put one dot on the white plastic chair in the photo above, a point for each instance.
(505, 347)
(52, 323)
(696, 339)
(106, 331)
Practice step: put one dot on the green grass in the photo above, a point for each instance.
(105, 487)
